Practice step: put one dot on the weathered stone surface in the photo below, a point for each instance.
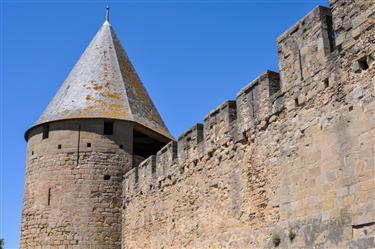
(73, 189)
(288, 164)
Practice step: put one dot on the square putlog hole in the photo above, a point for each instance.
(362, 63)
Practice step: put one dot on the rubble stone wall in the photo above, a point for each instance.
(289, 163)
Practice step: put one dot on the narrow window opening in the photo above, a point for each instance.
(350, 108)
(88, 145)
(59, 146)
(32, 153)
(326, 83)
(363, 63)
(121, 146)
(45, 131)
(300, 64)
(252, 109)
(108, 128)
(106, 177)
(49, 196)
(296, 103)
(331, 33)
(187, 144)
(78, 142)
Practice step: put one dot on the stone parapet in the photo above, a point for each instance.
(289, 163)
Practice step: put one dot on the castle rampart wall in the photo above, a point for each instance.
(290, 162)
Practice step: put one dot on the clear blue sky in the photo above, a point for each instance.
(191, 56)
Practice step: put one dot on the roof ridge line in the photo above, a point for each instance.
(119, 69)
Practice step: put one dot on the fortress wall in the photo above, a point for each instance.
(165, 158)
(303, 49)
(218, 125)
(189, 143)
(73, 185)
(256, 101)
(292, 159)
(354, 24)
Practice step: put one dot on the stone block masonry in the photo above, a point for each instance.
(290, 163)
(73, 185)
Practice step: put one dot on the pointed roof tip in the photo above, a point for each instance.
(104, 84)
(107, 14)
(106, 22)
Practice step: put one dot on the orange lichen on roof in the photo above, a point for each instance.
(104, 84)
(98, 87)
(113, 95)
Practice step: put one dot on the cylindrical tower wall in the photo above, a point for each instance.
(72, 196)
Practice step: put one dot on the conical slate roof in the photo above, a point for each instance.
(104, 84)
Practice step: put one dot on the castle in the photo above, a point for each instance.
(290, 163)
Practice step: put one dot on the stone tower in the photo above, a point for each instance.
(99, 125)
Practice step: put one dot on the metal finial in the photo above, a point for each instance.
(107, 14)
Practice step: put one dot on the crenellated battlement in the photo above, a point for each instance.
(303, 49)
(288, 163)
(305, 53)
(218, 124)
(190, 142)
(165, 158)
(290, 158)
(143, 177)
(255, 102)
